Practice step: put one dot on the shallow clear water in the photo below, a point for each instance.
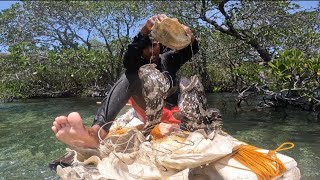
(27, 144)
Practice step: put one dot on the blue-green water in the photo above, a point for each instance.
(27, 144)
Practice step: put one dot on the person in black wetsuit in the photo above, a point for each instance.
(141, 51)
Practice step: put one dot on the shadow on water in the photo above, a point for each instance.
(27, 143)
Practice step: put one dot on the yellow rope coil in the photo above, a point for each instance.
(265, 166)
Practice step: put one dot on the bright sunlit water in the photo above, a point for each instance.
(27, 144)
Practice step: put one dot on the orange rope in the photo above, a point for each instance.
(156, 132)
(265, 166)
(118, 131)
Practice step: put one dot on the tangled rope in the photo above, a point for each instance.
(265, 166)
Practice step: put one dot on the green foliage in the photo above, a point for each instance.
(74, 46)
(291, 74)
(13, 75)
(248, 72)
(68, 72)
(231, 38)
(65, 48)
(292, 71)
(220, 76)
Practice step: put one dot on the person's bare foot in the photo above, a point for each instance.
(71, 131)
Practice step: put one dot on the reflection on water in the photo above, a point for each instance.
(27, 143)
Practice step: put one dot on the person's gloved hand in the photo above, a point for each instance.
(146, 29)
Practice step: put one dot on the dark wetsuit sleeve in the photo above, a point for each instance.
(128, 85)
(182, 56)
(116, 99)
(173, 60)
(133, 59)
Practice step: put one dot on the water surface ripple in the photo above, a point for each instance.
(27, 144)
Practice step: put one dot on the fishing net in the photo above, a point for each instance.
(126, 154)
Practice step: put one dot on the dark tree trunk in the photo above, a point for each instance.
(203, 71)
(230, 30)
